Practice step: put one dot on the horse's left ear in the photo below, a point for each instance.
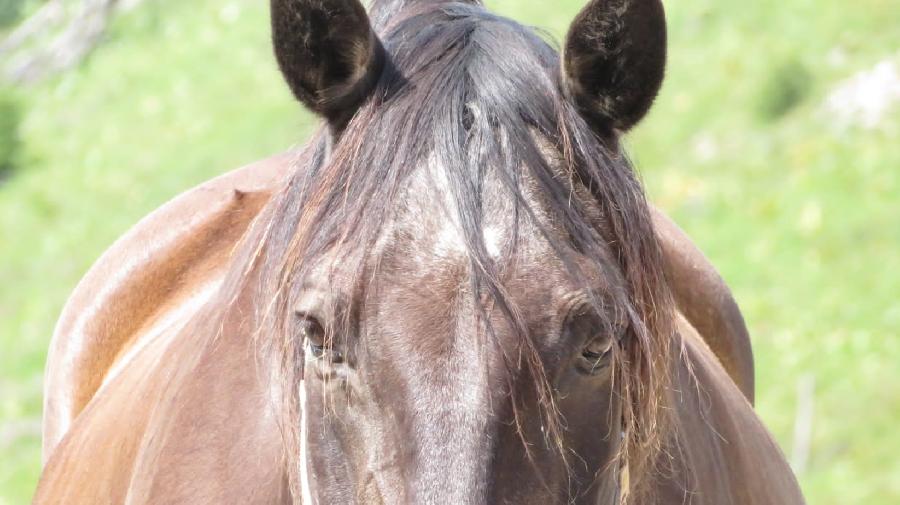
(328, 53)
(614, 60)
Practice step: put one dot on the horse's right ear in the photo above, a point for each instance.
(328, 53)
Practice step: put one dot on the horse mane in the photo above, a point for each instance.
(473, 92)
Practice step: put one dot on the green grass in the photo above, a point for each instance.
(801, 216)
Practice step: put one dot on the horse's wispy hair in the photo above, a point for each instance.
(471, 92)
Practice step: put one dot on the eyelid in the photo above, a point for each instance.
(573, 301)
(585, 301)
(310, 302)
(607, 318)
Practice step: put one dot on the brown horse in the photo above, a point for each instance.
(456, 294)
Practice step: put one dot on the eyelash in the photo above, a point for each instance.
(309, 326)
(319, 352)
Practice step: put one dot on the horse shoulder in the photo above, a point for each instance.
(706, 301)
(721, 451)
(191, 419)
(151, 280)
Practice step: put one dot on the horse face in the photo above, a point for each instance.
(432, 377)
(418, 390)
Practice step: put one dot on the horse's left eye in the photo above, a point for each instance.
(595, 337)
(596, 355)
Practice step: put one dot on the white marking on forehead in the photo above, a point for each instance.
(450, 243)
(493, 240)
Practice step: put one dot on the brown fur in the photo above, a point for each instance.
(139, 286)
(76, 366)
(486, 363)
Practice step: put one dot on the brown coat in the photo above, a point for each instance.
(119, 404)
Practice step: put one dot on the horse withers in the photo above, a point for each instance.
(456, 294)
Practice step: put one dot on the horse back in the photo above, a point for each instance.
(149, 282)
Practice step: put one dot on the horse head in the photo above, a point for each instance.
(464, 290)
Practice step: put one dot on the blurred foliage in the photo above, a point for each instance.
(10, 139)
(785, 88)
(799, 214)
(10, 12)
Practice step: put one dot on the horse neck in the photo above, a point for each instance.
(721, 452)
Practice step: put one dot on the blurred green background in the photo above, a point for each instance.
(774, 143)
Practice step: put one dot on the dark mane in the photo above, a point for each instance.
(474, 92)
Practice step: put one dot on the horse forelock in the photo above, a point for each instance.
(478, 97)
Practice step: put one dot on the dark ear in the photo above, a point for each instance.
(328, 54)
(614, 60)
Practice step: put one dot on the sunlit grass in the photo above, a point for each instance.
(798, 213)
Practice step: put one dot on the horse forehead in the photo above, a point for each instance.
(428, 224)
(450, 244)
(425, 260)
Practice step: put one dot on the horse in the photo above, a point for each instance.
(456, 293)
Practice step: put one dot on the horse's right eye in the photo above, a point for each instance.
(310, 331)
(314, 337)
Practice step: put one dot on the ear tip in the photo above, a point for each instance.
(614, 61)
(328, 53)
